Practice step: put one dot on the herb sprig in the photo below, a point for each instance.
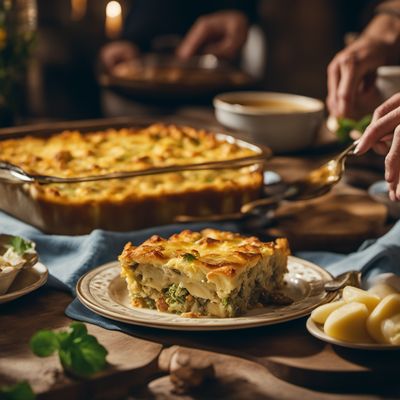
(79, 353)
(20, 391)
(20, 245)
(346, 125)
(188, 257)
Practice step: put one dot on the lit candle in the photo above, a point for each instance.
(113, 19)
(78, 9)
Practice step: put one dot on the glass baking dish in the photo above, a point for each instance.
(18, 190)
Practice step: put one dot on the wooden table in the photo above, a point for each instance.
(257, 363)
(281, 361)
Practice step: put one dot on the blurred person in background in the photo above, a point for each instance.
(193, 27)
(352, 90)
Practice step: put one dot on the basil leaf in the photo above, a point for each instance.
(19, 391)
(346, 125)
(363, 123)
(93, 354)
(20, 245)
(64, 339)
(44, 343)
(65, 358)
(79, 352)
(85, 357)
(77, 329)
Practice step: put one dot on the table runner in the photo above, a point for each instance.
(69, 257)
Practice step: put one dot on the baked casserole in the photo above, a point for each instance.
(179, 75)
(207, 273)
(125, 204)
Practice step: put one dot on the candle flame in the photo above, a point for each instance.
(113, 9)
(78, 8)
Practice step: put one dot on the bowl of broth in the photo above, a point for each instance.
(284, 122)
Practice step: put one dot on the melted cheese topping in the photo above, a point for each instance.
(72, 153)
(210, 264)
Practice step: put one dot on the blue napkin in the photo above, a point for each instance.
(69, 257)
(374, 257)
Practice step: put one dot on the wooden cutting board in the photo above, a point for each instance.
(290, 353)
(131, 360)
(339, 221)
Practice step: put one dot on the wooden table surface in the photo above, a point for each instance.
(281, 361)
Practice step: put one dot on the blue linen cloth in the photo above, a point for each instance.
(69, 257)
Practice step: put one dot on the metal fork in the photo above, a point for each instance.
(12, 173)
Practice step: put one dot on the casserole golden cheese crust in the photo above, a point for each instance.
(210, 273)
(73, 153)
(134, 202)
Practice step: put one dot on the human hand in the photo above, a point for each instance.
(117, 52)
(383, 134)
(351, 77)
(222, 33)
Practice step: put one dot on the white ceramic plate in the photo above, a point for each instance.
(103, 291)
(26, 281)
(317, 330)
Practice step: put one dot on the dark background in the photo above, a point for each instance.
(302, 37)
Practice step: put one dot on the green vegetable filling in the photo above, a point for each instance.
(175, 294)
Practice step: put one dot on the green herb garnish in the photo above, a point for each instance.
(19, 391)
(20, 245)
(176, 294)
(79, 352)
(189, 257)
(346, 125)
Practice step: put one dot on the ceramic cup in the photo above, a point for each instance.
(388, 80)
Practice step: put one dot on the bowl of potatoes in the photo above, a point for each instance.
(361, 319)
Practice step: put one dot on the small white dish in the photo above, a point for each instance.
(12, 262)
(317, 330)
(379, 192)
(26, 281)
(7, 277)
(282, 129)
(271, 178)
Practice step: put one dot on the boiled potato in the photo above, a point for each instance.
(353, 294)
(382, 290)
(348, 323)
(321, 313)
(387, 308)
(391, 330)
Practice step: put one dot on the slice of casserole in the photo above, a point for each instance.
(209, 273)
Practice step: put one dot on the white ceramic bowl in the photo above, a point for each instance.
(380, 193)
(388, 80)
(281, 130)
